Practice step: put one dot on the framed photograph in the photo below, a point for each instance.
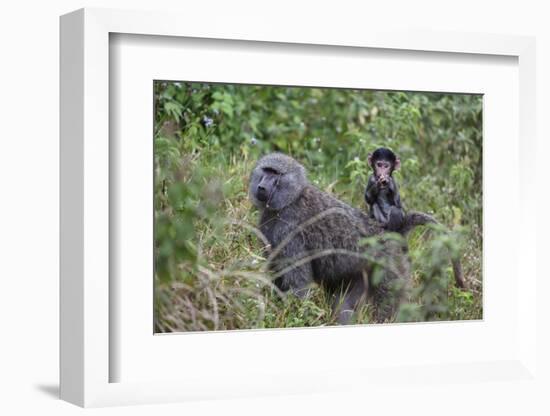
(280, 213)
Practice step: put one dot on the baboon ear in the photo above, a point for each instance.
(369, 159)
(397, 164)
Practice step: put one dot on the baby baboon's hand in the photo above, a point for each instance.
(383, 181)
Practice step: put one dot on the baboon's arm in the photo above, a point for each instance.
(395, 193)
(371, 192)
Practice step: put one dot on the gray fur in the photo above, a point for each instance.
(316, 238)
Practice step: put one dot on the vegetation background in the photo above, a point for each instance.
(210, 270)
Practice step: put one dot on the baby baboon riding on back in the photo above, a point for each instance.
(382, 197)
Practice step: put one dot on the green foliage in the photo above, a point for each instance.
(210, 267)
(431, 249)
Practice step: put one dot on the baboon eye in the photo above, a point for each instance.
(270, 170)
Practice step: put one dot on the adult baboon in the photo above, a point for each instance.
(317, 238)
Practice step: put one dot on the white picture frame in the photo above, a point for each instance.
(86, 352)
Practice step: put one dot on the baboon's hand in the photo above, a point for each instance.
(383, 181)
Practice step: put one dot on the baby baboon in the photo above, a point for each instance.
(317, 238)
(382, 194)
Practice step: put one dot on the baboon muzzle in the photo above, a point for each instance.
(261, 194)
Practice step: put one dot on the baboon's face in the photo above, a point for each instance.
(267, 185)
(264, 186)
(274, 188)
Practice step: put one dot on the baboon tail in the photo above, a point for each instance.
(414, 219)
(459, 277)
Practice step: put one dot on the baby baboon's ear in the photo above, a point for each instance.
(369, 159)
(397, 164)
